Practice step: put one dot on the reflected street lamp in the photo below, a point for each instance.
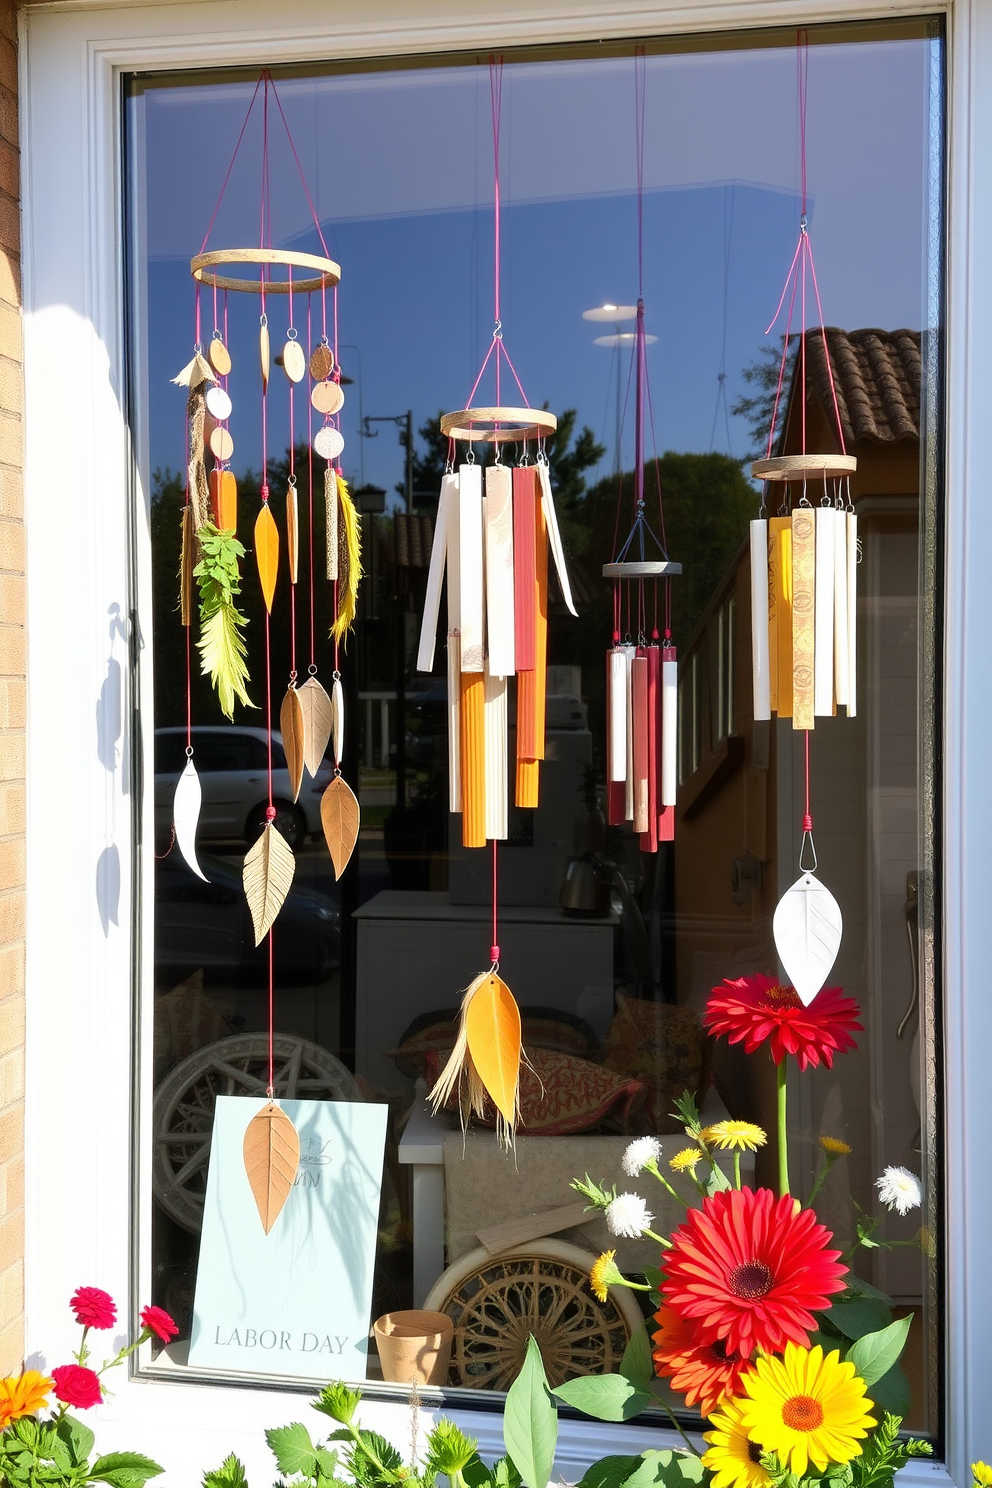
(616, 316)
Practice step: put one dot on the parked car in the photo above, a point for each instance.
(208, 926)
(232, 763)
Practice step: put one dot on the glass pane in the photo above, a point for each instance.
(611, 952)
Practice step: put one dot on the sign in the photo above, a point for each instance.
(297, 1301)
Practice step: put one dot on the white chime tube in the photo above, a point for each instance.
(823, 634)
(669, 730)
(435, 576)
(499, 574)
(841, 646)
(554, 536)
(496, 772)
(471, 591)
(852, 614)
(618, 714)
(760, 667)
(628, 800)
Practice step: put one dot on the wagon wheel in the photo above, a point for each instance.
(542, 1288)
(183, 1111)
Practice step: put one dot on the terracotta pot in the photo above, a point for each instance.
(414, 1347)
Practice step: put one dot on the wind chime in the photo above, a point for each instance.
(804, 602)
(494, 530)
(211, 562)
(641, 668)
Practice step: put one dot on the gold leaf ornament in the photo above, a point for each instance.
(268, 877)
(485, 1060)
(272, 1155)
(267, 553)
(316, 707)
(291, 726)
(340, 816)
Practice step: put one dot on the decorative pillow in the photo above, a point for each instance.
(663, 1046)
(560, 1095)
(543, 1028)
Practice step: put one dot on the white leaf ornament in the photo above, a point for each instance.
(807, 927)
(337, 720)
(186, 815)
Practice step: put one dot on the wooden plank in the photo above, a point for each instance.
(533, 1227)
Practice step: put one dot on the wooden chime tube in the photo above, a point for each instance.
(616, 703)
(852, 614)
(496, 780)
(471, 589)
(500, 596)
(803, 615)
(224, 499)
(823, 585)
(639, 684)
(331, 521)
(780, 613)
(472, 728)
(760, 675)
(435, 576)
(841, 646)
(628, 779)
(524, 568)
(452, 513)
(649, 840)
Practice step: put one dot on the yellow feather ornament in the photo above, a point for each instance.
(351, 542)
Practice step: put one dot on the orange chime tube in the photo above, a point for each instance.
(472, 734)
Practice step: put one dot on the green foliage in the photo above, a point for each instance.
(293, 1450)
(530, 1421)
(338, 1402)
(610, 1472)
(756, 406)
(884, 1454)
(221, 645)
(874, 1354)
(636, 1364)
(607, 1397)
(230, 1474)
(672, 1469)
(56, 1454)
(599, 1198)
(451, 1450)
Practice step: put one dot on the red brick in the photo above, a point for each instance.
(12, 1004)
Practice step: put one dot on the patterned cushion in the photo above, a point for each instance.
(665, 1047)
(561, 1094)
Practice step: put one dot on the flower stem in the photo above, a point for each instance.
(781, 1074)
(737, 1169)
(675, 1422)
(665, 1244)
(652, 1167)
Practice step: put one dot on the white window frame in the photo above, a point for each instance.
(84, 1124)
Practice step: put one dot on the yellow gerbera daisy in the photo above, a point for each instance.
(22, 1395)
(807, 1407)
(732, 1458)
(743, 1135)
(686, 1160)
(834, 1147)
(604, 1274)
(982, 1474)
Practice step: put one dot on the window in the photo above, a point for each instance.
(599, 985)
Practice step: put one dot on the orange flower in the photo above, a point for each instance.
(22, 1395)
(703, 1372)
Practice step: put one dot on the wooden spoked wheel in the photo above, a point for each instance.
(541, 1288)
(183, 1109)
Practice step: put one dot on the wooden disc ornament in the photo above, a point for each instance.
(219, 404)
(321, 362)
(294, 362)
(221, 444)
(328, 443)
(327, 397)
(219, 356)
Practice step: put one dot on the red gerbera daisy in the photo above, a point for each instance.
(93, 1307)
(757, 1008)
(703, 1372)
(751, 1270)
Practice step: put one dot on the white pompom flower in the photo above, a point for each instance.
(640, 1152)
(899, 1189)
(628, 1215)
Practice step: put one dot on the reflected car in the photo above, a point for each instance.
(208, 926)
(232, 763)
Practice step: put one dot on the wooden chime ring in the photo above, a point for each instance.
(650, 569)
(525, 423)
(803, 467)
(203, 267)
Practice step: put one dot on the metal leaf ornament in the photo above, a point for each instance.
(291, 726)
(340, 817)
(316, 706)
(808, 927)
(272, 1156)
(268, 876)
(186, 815)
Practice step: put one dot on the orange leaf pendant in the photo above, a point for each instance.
(272, 1156)
(492, 1032)
(267, 554)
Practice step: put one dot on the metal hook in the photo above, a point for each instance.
(803, 868)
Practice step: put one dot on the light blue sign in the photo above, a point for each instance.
(298, 1300)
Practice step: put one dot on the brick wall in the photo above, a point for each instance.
(12, 710)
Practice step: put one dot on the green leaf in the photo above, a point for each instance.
(859, 1316)
(124, 1469)
(530, 1421)
(53, 1448)
(858, 1288)
(636, 1364)
(292, 1448)
(609, 1472)
(607, 1397)
(893, 1392)
(717, 1180)
(77, 1437)
(338, 1402)
(673, 1469)
(230, 1474)
(327, 1462)
(875, 1353)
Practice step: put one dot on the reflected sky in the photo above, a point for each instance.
(399, 164)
